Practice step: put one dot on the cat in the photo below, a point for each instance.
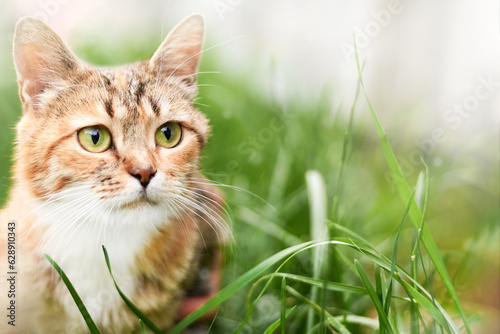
(108, 156)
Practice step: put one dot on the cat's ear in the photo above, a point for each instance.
(179, 54)
(41, 59)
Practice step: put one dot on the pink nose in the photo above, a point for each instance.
(144, 175)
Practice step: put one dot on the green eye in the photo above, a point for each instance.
(168, 135)
(95, 138)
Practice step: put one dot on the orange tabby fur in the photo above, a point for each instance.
(67, 201)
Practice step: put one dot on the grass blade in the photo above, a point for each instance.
(319, 231)
(279, 322)
(420, 190)
(415, 215)
(283, 304)
(356, 319)
(425, 196)
(378, 284)
(332, 286)
(143, 329)
(328, 285)
(426, 304)
(130, 305)
(387, 303)
(385, 325)
(79, 303)
(328, 317)
(345, 152)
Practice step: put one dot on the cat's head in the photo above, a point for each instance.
(125, 138)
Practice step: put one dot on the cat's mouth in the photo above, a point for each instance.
(140, 202)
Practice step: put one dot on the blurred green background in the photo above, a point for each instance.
(264, 142)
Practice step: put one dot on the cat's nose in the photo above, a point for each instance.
(144, 175)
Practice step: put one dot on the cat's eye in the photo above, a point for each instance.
(95, 138)
(168, 135)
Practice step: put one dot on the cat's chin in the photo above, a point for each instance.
(140, 203)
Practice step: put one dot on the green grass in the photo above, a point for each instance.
(331, 234)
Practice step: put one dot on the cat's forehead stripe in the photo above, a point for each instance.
(108, 104)
(139, 92)
(155, 106)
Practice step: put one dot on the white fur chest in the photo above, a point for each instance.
(74, 238)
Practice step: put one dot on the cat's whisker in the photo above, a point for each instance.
(216, 205)
(200, 193)
(207, 72)
(201, 104)
(180, 216)
(196, 192)
(176, 81)
(85, 220)
(207, 85)
(108, 212)
(195, 180)
(182, 206)
(219, 184)
(217, 226)
(59, 195)
(38, 209)
(67, 220)
(72, 225)
(69, 208)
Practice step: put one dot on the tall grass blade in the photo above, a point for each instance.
(422, 197)
(277, 185)
(414, 318)
(378, 284)
(420, 189)
(332, 257)
(425, 196)
(415, 215)
(283, 305)
(79, 303)
(394, 257)
(384, 323)
(345, 152)
(319, 231)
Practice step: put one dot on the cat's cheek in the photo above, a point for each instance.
(186, 153)
(80, 167)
